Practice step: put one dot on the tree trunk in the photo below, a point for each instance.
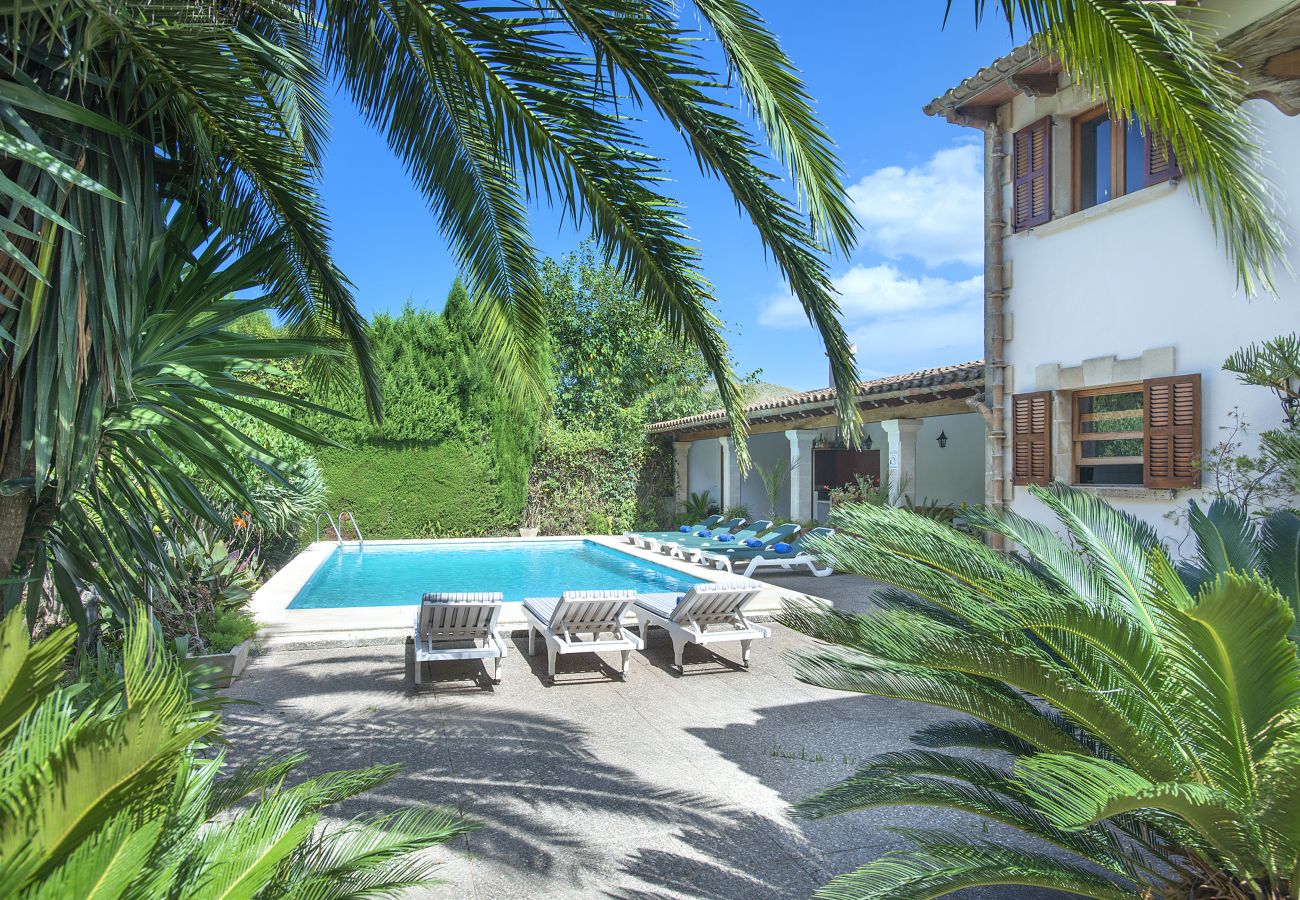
(14, 507)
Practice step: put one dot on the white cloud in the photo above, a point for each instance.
(900, 322)
(873, 292)
(933, 212)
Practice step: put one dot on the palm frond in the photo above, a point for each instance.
(943, 863)
(1158, 64)
(1226, 541)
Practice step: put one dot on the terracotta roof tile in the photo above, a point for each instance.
(961, 373)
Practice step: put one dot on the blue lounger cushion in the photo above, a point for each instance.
(705, 533)
(685, 529)
(782, 547)
(753, 542)
(725, 538)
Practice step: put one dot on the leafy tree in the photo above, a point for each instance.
(1147, 726)
(615, 370)
(608, 351)
(116, 786)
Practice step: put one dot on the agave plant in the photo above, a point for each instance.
(115, 787)
(1145, 731)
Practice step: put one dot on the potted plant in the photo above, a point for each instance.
(210, 618)
(228, 641)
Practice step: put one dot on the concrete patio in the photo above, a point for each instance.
(661, 786)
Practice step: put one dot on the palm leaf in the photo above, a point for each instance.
(1155, 63)
(943, 863)
(27, 672)
(1226, 541)
(1280, 560)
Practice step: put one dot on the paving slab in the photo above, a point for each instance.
(665, 785)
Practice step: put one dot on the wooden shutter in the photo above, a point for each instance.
(1160, 164)
(1031, 438)
(1031, 163)
(1172, 432)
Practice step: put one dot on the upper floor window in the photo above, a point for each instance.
(1109, 158)
(1113, 157)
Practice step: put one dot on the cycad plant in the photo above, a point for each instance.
(1145, 729)
(116, 786)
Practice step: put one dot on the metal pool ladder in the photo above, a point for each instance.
(337, 526)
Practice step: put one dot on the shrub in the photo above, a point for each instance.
(593, 482)
(117, 785)
(229, 629)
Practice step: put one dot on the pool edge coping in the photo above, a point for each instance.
(283, 628)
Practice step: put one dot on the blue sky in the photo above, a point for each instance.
(910, 293)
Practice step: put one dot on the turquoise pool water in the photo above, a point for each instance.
(398, 575)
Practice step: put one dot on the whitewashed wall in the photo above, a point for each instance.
(1141, 273)
(766, 450)
(705, 469)
(952, 474)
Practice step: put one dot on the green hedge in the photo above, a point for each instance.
(395, 491)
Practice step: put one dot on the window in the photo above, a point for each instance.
(1113, 158)
(1108, 436)
(1145, 434)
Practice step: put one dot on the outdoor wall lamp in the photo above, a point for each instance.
(942, 439)
(866, 444)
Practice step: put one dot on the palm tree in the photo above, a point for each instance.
(1144, 726)
(116, 785)
(107, 109)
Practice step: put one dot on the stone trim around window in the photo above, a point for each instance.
(1100, 371)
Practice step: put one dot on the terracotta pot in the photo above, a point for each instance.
(229, 665)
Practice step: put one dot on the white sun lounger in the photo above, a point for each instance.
(789, 564)
(688, 618)
(459, 626)
(598, 613)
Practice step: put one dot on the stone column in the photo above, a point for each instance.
(901, 434)
(730, 475)
(801, 474)
(682, 471)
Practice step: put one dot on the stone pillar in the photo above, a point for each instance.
(730, 475)
(801, 474)
(682, 471)
(901, 434)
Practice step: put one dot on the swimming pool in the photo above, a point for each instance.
(398, 575)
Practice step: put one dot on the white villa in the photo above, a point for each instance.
(1109, 305)
(1109, 309)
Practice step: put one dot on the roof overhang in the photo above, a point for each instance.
(1269, 52)
(938, 391)
(974, 102)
